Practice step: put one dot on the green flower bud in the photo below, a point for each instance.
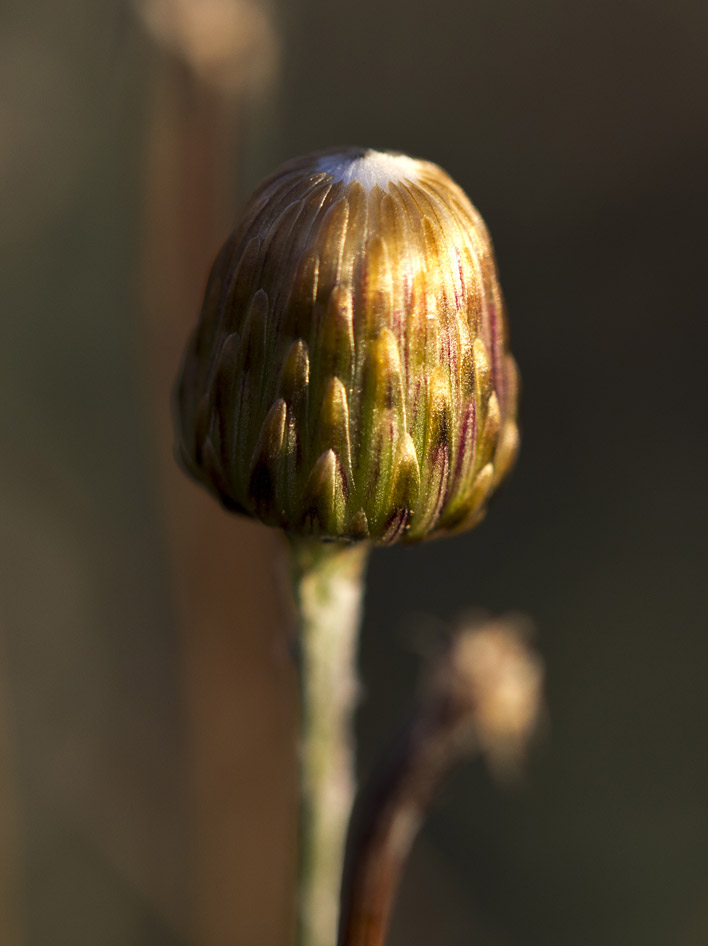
(350, 376)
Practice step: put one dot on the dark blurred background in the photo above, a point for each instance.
(147, 702)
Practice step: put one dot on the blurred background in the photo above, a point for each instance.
(147, 701)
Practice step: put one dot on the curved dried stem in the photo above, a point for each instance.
(485, 693)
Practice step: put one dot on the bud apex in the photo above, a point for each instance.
(350, 376)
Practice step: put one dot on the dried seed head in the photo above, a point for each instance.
(350, 376)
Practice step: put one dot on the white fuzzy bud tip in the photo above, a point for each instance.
(369, 168)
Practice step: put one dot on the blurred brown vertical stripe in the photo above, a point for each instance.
(239, 684)
(10, 867)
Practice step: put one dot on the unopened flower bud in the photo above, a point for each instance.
(350, 376)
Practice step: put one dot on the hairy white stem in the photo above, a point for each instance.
(328, 585)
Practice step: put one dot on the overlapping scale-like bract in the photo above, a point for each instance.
(350, 376)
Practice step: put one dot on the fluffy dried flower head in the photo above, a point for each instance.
(230, 44)
(490, 682)
(350, 376)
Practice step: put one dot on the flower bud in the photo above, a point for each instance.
(350, 376)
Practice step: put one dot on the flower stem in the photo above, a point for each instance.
(328, 585)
